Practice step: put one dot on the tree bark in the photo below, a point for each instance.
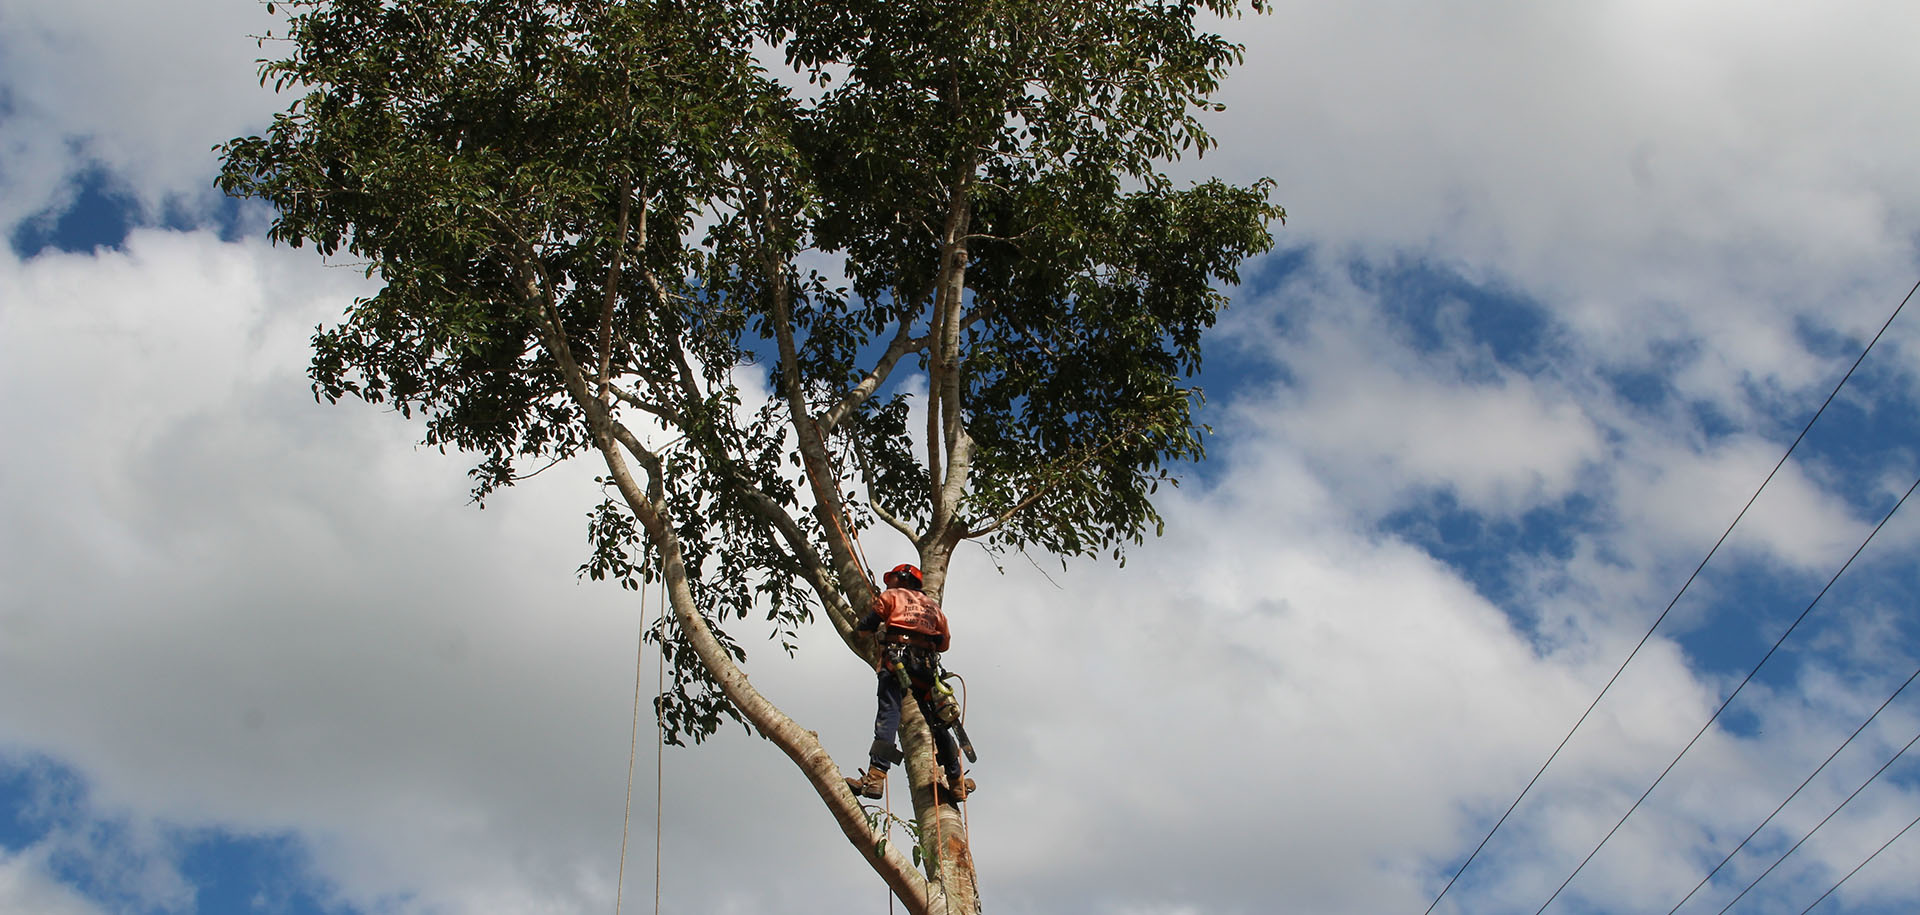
(944, 845)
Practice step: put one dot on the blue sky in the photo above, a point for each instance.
(1558, 288)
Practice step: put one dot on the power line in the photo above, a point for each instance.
(1670, 604)
(1823, 821)
(1730, 696)
(1857, 867)
(1796, 792)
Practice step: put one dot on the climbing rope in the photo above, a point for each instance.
(633, 747)
(660, 744)
(886, 795)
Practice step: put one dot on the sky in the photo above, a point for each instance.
(1559, 285)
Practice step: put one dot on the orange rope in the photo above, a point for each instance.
(887, 795)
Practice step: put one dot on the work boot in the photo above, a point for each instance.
(871, 783)
(956, 789)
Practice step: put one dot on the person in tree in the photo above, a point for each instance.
(912, 633)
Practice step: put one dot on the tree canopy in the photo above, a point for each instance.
(938, 233)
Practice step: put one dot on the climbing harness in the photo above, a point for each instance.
(945, 705)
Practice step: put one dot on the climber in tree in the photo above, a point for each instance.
(912, 633)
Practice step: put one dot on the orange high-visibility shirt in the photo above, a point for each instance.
(914, 611)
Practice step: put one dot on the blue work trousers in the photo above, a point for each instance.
(886, 722)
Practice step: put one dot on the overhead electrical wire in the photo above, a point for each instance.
(1730, 696)
(1823, 821)
(1857, 867)
(1796, 792)
(1670, 604)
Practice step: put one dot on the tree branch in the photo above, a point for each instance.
(1054, 480)
(905, 528)
(903, 343)
(800, 745)
(613, 284)
(947, 439)
(648, 506)
(670, 415)
(813, 450)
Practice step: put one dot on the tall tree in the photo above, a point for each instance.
(598, 224)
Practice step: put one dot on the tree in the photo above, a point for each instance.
(599, 224)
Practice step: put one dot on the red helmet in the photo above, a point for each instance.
(904, 575)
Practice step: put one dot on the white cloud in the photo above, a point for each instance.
(262, 615)
(143, 89)
(1384, 418)
(1653, 172)
(25, 886)
(1684, 498)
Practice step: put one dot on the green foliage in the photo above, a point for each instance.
(541, 184)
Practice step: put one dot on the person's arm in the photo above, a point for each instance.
(871, 622)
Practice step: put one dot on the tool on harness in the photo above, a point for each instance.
(946, 706)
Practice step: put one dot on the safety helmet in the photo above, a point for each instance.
(904, 575)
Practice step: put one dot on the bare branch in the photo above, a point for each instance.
(670, 415)
(902, 344)
(905, 528)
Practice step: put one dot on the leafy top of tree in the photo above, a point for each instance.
(594, 221)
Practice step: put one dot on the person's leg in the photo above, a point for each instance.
(886, 726)
(886, 722)
(945, 749)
